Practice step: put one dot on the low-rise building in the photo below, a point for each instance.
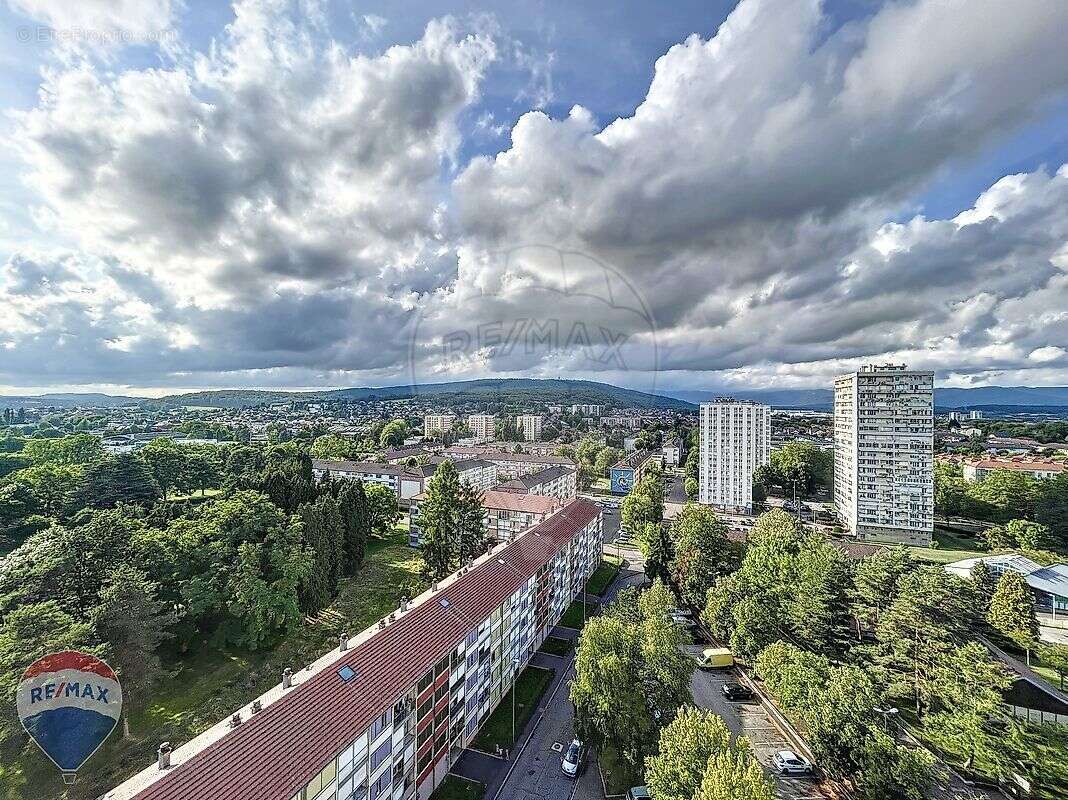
(509, 465)
(1049, 584)
(672, 451)
(386, 714)
(507, 514)
(1040, 469)
(405, 481)
(557, 481)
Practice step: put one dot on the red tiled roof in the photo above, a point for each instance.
(275, 753)
(1022, 466)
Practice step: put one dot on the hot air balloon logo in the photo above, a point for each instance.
(69, 703)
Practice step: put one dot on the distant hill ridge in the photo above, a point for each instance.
(536, 390)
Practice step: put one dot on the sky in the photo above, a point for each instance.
(687, 195)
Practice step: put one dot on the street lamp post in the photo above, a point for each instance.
(515, 681)
(886, 714)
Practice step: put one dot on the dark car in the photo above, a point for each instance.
(735, 691)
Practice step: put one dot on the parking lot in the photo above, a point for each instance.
(749, 719)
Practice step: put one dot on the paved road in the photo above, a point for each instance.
(752, 721)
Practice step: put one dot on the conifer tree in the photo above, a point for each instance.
(1012, 611)
(439, 519)
(471, 517)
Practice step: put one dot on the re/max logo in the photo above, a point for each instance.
(50, 691)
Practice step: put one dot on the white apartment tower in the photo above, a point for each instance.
(884, 453)
(437, 423)
(530, 425)
(481, 426)
(735, 441)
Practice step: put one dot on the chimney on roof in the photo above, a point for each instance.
(257, 707)
(287, 678)
(343, 642)
(404, 604)
(434, 586)
(235, 720)
(381, 624)
(163, 756)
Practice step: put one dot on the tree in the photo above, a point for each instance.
(1056, 656)
(686, 744)
(691, 488)
(393, 434)
(802, 465)
(875, 582)
(890, 772)
(243, 467)
(356, 520)
(55, 486)
(166, 461)
(702, 552)
(734, 774)
(1012, 610)
(983, 580)
(202, 470)
(439, 521)
(644, 503)
(124, 478)
(966, 701)
(471, 534)
(333, 447)
(133, 622)
(606, 458)
(26, 634)
(1018, 533)
(76, 450)
(263, 592)
(324, 535)
(1051, 508)
(931, 615)
(1006, 494)
(659, 550)
(383, 508)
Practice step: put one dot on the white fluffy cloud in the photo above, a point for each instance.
(281, 208)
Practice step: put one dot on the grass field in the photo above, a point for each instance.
(556, 647)
(603, 576)
(572, 618)
(456, 788)
(497, 732)
(210, 683)
(949, 546)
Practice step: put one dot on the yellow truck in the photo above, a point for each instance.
(715, 658)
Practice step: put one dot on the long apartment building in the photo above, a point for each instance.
(557, 481)
(506, 514)
(735, 442)
(387, 713)
(884, 453)
(406, 481)
(509, 465)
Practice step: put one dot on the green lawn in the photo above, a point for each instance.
(603, 576)
(209, 683)
(556, 647)
(175, 498)
(497, 731)
(949, 546)
(456, 788)
(572, 618)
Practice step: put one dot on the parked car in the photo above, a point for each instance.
(573, 758)
(638, 793)
(735, 691)
(682, 621)
(787, 762)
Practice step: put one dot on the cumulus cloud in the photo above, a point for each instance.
(281, 209)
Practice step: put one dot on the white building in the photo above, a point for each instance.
(672, 451)
(588, 409)
(530, 426)
(558, 481)
(481, 426)
(884, 453)
(1039, 469)
(437, 423)
(735, 441)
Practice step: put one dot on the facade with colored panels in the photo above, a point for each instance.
(387, 714)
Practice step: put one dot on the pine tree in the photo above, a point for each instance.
(356, 519)
(323, 533)
(472, 527)
(133, 622)
(1012, 610)
(439, 520)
